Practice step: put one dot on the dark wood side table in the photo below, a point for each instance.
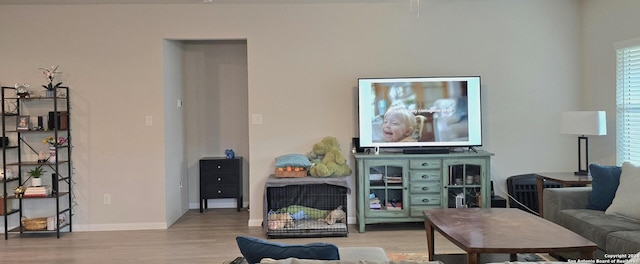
(565, 179)
(220, 178)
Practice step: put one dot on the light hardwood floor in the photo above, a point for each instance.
(196, 238)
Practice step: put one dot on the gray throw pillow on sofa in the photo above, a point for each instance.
(605, 181)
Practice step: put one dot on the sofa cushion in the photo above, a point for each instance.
(594, 225)
(362, 253)
(623, 242)
(625, 203)
(255, 249)
(605, 180)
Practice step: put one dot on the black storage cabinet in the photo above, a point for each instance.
(220, 178)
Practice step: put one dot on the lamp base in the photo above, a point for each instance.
(581, 173)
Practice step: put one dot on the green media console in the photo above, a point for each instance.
(396, 187)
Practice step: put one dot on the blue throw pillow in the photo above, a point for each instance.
(293, 160)
(605, 181)
(255, 249)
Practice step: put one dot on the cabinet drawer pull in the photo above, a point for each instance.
(219, 179)
(424, 164)
(425, 188)
(425, 200)
(424, 176)
(219, 166)
(219, 191)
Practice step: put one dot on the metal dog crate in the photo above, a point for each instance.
(298, 207)
(523, 189)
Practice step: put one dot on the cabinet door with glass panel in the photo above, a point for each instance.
(465, 183)
(386, 186)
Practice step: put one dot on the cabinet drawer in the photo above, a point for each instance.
(418, 211)
(219, 179)
(425, 187)
(425, 164)
(216, 166)
(433, 199)
(219, 191)
(424, 175)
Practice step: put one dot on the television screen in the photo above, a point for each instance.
(420, 112)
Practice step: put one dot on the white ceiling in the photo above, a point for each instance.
(98, 2)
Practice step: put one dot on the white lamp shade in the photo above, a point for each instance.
(584, 123)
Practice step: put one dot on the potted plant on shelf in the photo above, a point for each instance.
(35, 176)
(53, 145)
(50, 74)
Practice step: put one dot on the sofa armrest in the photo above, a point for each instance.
(556, 199)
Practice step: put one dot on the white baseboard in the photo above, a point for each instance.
(119, 227)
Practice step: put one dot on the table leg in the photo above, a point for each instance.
(472, 258)
(430, 247)
(539, 189)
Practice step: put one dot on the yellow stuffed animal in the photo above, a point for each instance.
(327, 159)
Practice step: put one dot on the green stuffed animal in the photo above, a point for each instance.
(327, 159)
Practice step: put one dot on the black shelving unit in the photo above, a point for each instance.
(24, 145)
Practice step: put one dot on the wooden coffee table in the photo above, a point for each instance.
(502, 230)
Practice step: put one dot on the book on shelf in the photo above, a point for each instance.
(40, 191)
(393, 179)
(394, 206)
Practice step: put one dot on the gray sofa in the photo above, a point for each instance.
(613, 234)
(348, 255)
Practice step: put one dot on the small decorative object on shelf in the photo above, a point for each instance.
(35, 176)
(52, 155)
(230, 154)
(4, 142)
(50, 75)
(53, 144)
(22, 90)
(19, 191)
(23, 122)
(6, 175)
(42, 157)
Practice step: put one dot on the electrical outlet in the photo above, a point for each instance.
(148, 120)
(107, 199)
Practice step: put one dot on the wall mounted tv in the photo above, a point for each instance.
(440, 112)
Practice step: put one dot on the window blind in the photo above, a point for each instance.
(628, 101)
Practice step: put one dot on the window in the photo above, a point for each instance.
(628, 101)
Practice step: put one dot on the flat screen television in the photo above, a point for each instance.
(441, 112)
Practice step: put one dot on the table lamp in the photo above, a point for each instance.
(584, 123)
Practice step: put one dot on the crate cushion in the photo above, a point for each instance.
(255, 249)
(293, 160)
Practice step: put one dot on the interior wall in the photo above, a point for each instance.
(216, 108)
(176, 195)
(303, 61)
